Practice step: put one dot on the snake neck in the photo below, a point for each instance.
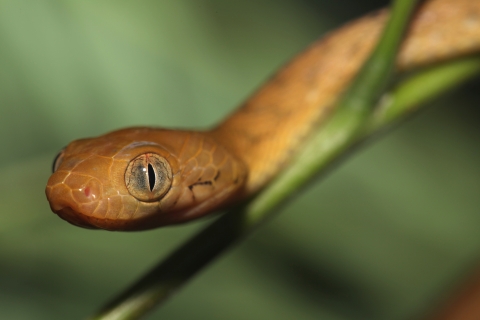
(266, 131)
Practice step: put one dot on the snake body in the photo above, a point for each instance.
(142, 178)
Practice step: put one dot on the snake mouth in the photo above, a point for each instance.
(71, 216)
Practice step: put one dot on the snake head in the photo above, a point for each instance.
(142, 178)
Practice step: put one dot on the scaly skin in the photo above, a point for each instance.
(91, 179)
(215, 168)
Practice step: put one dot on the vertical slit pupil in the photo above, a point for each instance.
(151, 177)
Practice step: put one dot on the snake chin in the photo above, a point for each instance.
(71, 216)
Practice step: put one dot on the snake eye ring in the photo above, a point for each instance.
(148, 177)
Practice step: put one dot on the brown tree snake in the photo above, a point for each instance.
(143, 178)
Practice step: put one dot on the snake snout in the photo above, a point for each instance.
(67, 204)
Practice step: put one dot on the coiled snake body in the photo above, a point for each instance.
(142, 178)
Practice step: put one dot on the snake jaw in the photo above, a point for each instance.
(69, 215)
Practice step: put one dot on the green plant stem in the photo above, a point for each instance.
(409, 95)
(333, 139)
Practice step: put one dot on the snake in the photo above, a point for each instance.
(145, 177)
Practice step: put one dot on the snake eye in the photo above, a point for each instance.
(58, 159)
(148, 177)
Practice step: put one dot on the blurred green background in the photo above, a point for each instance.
(383, 237)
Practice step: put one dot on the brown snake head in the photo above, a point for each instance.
(142, 178)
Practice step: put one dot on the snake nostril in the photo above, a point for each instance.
(86, 193)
